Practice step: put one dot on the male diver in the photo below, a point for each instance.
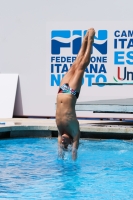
(66, 120)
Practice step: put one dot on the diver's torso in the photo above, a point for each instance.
(65, 114)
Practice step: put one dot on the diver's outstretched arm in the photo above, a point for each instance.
(60, 149)
(75, 146)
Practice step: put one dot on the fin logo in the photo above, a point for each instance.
(61, 39)
(73, 39)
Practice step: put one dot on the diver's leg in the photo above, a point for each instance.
(83, 58)
(76, 81)
(79, 57)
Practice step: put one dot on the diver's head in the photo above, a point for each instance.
(66, 140)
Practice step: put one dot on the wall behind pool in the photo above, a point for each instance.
(25, 42)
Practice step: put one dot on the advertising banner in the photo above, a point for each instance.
(111, 57)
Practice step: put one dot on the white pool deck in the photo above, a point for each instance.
(29, 127)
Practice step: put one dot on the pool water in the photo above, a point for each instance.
(30, 169)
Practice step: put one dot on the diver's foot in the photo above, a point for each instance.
(91, 34)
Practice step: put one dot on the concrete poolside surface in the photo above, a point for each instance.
(30, 127)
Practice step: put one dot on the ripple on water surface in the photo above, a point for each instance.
(30, 169)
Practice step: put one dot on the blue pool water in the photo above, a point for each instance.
(30, 169)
